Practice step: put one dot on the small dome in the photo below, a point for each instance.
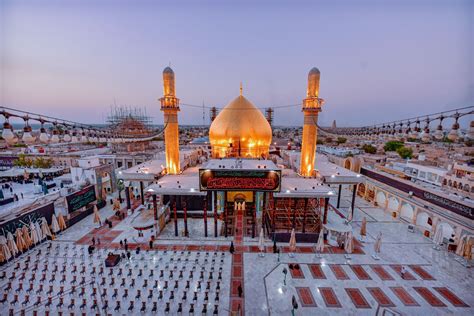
(168, 70)
(240, 130)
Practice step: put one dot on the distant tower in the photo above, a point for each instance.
(213, 113)
(311, 108)
(269, 115)
(334, 124)
(170, 107)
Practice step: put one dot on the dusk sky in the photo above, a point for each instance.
(379, 60)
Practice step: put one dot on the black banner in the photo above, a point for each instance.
(435, 199)
(80, 198)
(248, 180)
(46, 211)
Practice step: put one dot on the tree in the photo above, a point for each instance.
(329, 139)
(43, 163)
(23, 161)
(369, 149)
(405, 152)
(392, 145)
(320, 142)
(341, 140)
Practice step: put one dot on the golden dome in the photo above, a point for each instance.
(240, 130)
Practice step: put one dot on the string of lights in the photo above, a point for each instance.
(64, 131)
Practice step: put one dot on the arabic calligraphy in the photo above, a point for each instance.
(242, 183)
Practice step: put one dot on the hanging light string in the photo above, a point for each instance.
(95, 132)
(405, 124)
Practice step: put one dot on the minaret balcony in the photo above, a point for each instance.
(312, 104)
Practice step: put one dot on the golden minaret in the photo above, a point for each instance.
(311, 107)
(170, 107)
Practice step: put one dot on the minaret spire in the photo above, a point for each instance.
(170, 107)
(311, 108)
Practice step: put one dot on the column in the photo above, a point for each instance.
(326, 206)
(141, 193)
(325, 216)
(205, 216)
(155, 207)
(215, 213)
(274, 216)
(155, 213)
(185, 210)
(254, 219)
(175, 217)
(354, 191)
(225, 214)
(339, 196)
(127, 197)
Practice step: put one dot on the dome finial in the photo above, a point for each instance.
(241, 89)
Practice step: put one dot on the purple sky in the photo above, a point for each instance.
(378, 62)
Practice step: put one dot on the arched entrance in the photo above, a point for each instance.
(422, 221)
(380, 199)
(361, 189)
(348, 164)
(393, 204)
(407, 212)
(447, 229)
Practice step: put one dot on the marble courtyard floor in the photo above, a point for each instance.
(198, 274)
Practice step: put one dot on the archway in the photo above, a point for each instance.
(361, 189)
(422, 220)
(447, 229)
(348, 164)
(381, 198)
(407, 212)
(393, 204)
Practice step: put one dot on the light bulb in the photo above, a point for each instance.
(7, 132)
(67, 137)
(44, 137)
(74, 138)
(55, 137)
(426, 137)
(84, 138)
(28, 138)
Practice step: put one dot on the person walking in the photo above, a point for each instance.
(239, 289)
(93, 241)
(232, 249)
(403, 272)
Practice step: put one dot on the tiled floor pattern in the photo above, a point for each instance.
(384, 295)
(329, 297)
(305, 297)
(104, 233)
(450, 296)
